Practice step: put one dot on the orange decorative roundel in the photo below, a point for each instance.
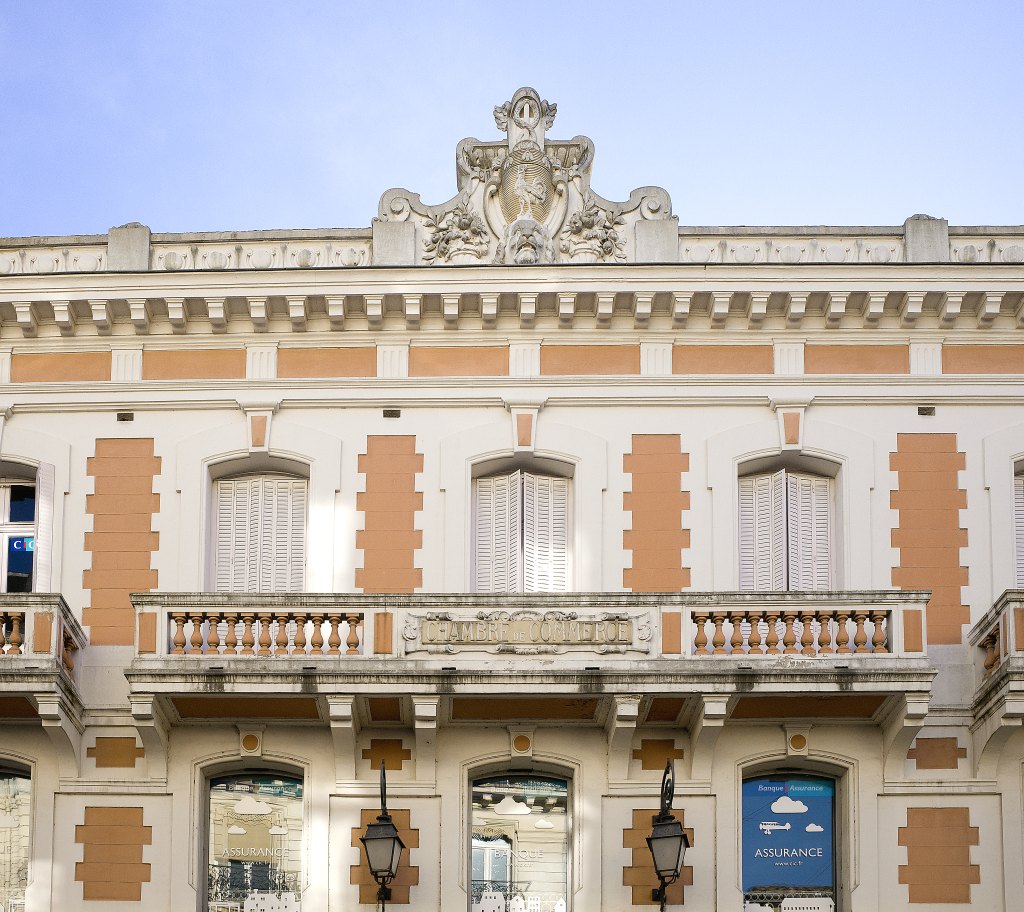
(521, 743)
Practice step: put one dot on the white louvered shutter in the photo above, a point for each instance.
(44, 527)
(261, 534)
(762, 532)
(545, 533)
(497, 531)
(809, 532)
(1018, 524)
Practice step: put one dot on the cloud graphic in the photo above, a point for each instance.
(786, 805)
(814, 828)
(509, 807)
(8, 821)
(543, 824)
(249, 805)
(278, 831)
(237, 831)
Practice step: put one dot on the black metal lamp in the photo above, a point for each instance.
(668, 841)
(383, 845)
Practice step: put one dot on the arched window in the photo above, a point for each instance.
(521, 829)
(521, 533)
(785, 531)
(254, 842)
(15, 835)
(260, 533)
(789, 841)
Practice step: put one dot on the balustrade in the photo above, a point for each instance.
(265, 633)
(798, 630)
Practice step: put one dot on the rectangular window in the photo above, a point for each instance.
(521, 533)
(17, 536)
(785, 532)
(260, 536)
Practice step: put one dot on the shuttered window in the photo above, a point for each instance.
(785, 532)
(521, 533)
(260, 534)
(1018, 524)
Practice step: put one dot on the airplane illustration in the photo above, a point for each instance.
(768, 825)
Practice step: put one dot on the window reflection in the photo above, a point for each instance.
(520, 844)
(15, 829)
(255, 843)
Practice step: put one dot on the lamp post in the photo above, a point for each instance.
(668, 841)
(383, 845)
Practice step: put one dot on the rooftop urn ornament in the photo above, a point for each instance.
(526, 200)
(668, 841)
(383, 845)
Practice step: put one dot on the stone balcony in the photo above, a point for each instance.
(617, 660)
(998, 643)
(40, 640)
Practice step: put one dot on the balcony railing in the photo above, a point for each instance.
(1000, 633)
(477, 627)
(39, 624)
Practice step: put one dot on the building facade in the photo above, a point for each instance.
(522, 496)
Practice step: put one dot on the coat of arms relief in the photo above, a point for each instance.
(526, 200)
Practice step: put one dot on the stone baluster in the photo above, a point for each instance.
(842, 634)
(196, 640)
(807, 632)
(248, 638)
(771, 619)
(67, 653)
(878, 638)
(860, 636)
(700, 640)
(352, 642)
(334, 638)
(282, 634)
(789, 634)
(991, 653)
(213, 637)
(299, 647)
(265, 619)
(15, 639)
(231, 639)
(179, 634)
(718, 637)
(824, 633)
(736, 641)
(3, 631)
(754, 646)
(317, 640)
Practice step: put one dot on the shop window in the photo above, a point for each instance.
(15, 833)
(260, 533)
(521, 533)
(17, 535)
(254, 843)
(521, 829)
(785, 532)
(789, 846)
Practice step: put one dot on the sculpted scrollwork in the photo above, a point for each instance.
(525, 200)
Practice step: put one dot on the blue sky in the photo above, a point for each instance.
(224, 115)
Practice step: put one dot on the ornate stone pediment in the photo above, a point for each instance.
(527, 200)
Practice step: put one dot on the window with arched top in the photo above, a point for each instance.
(255, 842)
(785, 531)
(521, 532)
(15, 835)
(259, 533)
(17, 535)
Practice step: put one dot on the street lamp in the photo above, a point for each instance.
(383, 845)
(668, 841)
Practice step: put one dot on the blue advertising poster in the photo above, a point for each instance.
(787, 833)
